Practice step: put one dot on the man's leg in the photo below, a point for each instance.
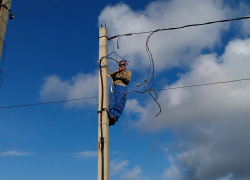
(112, 102)
(120, 102)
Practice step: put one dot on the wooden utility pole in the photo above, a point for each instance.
(103, 121)
(4, 16)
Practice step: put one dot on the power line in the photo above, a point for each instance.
(165, 89)
(181, 27)
(36, 7)
(55, 102)
(197, 85)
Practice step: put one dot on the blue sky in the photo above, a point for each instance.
(51, 54)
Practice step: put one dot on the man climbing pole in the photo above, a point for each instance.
(121, 78)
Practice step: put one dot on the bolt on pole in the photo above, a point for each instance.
(103, 121)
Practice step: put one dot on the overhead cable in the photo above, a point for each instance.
(181, 27)
(54, 102)
(36, 7)
(165, 89)
(206, 84)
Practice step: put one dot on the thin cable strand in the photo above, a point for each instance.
(53, 102)
(181, 27)
(36, 7)
(206, 84)
(166, 89)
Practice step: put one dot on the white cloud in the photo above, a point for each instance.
(133, 174)
(117, 166)
(16, 153)
(228, 177)
(244, 25)
(208, 101)
(212, 119)
(173, 172)
(169, 47)
(119, 169)
(85, 154)
(80, 86)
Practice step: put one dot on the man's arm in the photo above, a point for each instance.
(126, 76)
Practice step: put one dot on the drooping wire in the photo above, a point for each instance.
(165, 29)
(151, 81)
(118, 41)
(151, 60)
(148, 90)
(116, 59)
(151, 65)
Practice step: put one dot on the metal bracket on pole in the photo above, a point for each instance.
(11, 16)
(3, 5)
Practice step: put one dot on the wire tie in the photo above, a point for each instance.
(3, 5)
(103, 109)
(113, 37)
(103, 36)
(104, 66)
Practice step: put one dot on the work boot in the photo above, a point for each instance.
(112, 120)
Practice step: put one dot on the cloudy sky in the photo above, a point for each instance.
(51, 54)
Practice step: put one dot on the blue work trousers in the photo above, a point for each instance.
(117, 101)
